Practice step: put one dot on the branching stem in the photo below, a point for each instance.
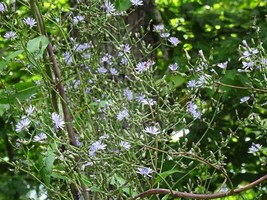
(200, 196)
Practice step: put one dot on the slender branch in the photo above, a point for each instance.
(198, 158)
(200, 196)
(63, 98)
(240, 87)
(56, 71)
(219, 168)
(41, 27)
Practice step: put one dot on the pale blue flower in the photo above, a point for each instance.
(145, 171)
(10, 35)
(113, 71)
(78, 19)
(174, 41)
(122, 115)
(152, 130)
(245, 54)
(96, 146)
(107, 59)
(81, 47)
(103, 137)
(254, 51)
(86, 56)
(102, 70)
(41, 136)
(244, 99)
(223, 65)
(125, 48)
(124, 60)
(140, 98)
(67, 58)
(158, 28)
(148, 102)
(128, 94)
(201, 81)
(23, 124)
(141, 66)
(137, 2)
(125, 145)
(2, 7)
(109, 7)
(30, 110)
(224, 189)
(193, 110)
(164, 35)
(264, 61)
(191, 84)
(30, 21)
(254, 148)
(58, 121)
(144, 66)
(173, 67)
(248, 65)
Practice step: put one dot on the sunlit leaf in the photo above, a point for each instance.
(13, 55)
(47, 164)
(37, 46)
(123, 5)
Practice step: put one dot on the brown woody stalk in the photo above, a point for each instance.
(61, 92)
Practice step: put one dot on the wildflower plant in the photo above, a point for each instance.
(100, 117)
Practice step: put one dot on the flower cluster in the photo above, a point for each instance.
(144, 66)
(192, 108)
(249, 58)
(164, 34)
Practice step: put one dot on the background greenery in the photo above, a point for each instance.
(216, 27)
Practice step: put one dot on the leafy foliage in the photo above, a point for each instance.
(125, 108)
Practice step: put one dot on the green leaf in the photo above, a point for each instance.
(123, 5)
(119, 182)
(37, 46)
(95, 189)
(22, 92)
(165, 174)
(3, 108)
(46, 163)
(13, 55)
(175, 81)
(85, 181)
(58, 175)
(3, 65)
